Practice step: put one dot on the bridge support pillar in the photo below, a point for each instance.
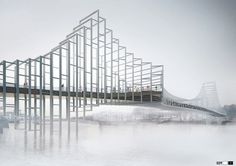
(105, 64)
(4, 88)
(60, 91)
(77, 87)
(68, 87)
(16, 110)
(141, 82)
(150, 82)
(40, 94)
(132, 77)
(29, 93)
(85, 74)
(35, 98)
(51, 94)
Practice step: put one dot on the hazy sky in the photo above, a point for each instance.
(194, 39)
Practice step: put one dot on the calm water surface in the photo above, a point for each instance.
(114, 145)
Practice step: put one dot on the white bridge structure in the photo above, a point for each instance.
(88, 68)
(207, 100)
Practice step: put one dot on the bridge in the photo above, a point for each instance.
(207, 100)
(88, 68)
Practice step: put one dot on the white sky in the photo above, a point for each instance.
(194, 39)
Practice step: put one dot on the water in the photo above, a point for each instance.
(130, 144)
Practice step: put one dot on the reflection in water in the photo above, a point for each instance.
(32, 139)
(120, 144)
(25, 140)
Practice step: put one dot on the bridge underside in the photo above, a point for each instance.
(147, 96)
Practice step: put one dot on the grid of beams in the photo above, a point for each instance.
(88, 68)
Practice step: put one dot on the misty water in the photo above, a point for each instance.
(133, 144)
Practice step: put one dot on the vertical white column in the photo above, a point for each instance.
(105, 63)
(141, 82)
(118, 72)
(125, 75)
(80, 67)
(44, 103)
(77, 84)
(60, 91)
(98, 56)
(25, 86)
(150, 82)
(111, 67)
(68, 86)
(85, 74)
(51, 93)
(16, 111)
(132, 77)
(29, 92)
(162, 82)
(91, 65)
(35, 97)
(4, 88)
(40, 93)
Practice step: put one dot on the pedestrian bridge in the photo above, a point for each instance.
(88, 68)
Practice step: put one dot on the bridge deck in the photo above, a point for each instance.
(156, 95)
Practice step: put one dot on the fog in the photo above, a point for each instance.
(137, 144)
(194, 39)
(136, 135)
